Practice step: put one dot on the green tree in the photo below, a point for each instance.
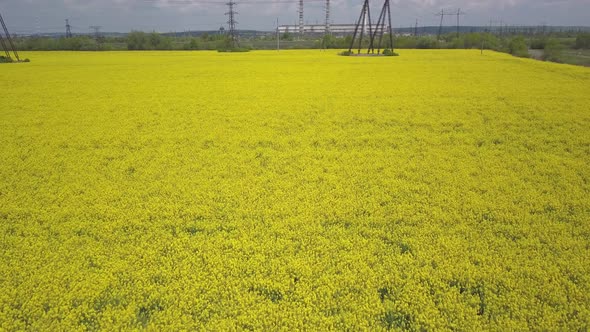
(287, 36)
(583, 40)
(553, 50)
(518, 47)
(192, 45)
(137, 40)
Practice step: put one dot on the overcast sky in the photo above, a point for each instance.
(31, 16)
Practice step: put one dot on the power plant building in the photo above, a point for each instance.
(335, 29)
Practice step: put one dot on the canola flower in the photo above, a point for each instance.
(299, 190)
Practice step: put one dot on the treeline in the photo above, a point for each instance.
(551, 46)
(466, 41)
(514, 44)
(583, 41)
(135, 40)
(77, 43)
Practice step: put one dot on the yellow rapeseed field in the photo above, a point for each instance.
(298, 190)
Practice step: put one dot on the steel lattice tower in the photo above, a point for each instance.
(361, 23)
(327, 17)
(380, 29)
(232, 32)
(365, 20)
(8, 43)
(301, 17)
(4, 48)
(442, 15)
(459, 13)
(68, 29)
(96, 29)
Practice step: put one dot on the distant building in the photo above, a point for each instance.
(335, 29)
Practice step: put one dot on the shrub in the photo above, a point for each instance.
(552, 50)
(233, 49)
(538, 44)
(427, 43)
(4, 59)
(389, 52)
(137, 40)
(583, 40)
(518, 47)
(192, 45)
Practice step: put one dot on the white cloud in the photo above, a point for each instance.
(166, 15)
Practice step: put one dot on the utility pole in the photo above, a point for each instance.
(301, 18)
(327, 17)
(68, 29)
(442, 16)
(3, 44)
(365, 11)
(364, 18)
(482, 44)
(278, 36)
(380, 29)
(233, 35)
(416, 29)
(459, 13)
(360, 23)
(390, 27)
(494, 28)
(9, 39)
(96, 29)
(4, 48)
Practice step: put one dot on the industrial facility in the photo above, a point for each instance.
(335, 29)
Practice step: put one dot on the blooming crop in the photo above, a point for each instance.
(294, 190)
